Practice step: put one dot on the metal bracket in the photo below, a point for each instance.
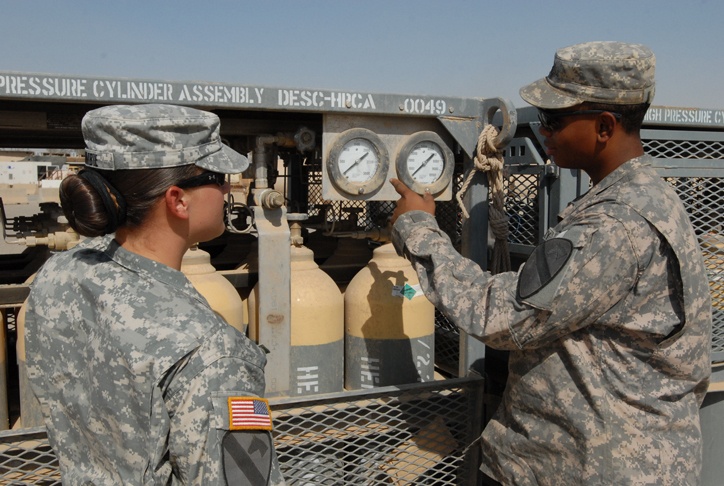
(274, 296)
(510, 119)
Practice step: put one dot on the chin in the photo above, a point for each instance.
(561, 164)
(210, 236)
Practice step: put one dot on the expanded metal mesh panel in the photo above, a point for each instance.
(447, 336)
(362, 215)
(413, 434)
(522, 207)
(702, 198)
(685, 149)
(27, 458)
(448, 213)
(447, 344)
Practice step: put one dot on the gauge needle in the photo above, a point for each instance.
(355, 163)
(423, 164)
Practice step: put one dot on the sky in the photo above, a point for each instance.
(458, 48)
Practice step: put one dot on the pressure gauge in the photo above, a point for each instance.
(358, 162)
(425, 163)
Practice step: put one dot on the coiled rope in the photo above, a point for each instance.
(489, 159)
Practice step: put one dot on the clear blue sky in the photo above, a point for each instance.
(461, 48)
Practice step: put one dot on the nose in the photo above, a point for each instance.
(226, 188)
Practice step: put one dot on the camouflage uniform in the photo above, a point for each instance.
(610, 360)
(140, 381)
(609, 321)
(133, 368)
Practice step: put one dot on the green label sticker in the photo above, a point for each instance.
(406, 291)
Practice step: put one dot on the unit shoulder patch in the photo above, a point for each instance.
(543, 265)
(247, 457)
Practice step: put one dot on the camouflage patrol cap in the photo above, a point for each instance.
(597, 72)
(153, 136)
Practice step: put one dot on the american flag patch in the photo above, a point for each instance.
(249, 413)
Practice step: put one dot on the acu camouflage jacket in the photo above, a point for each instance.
(609, 357)
(134, 370)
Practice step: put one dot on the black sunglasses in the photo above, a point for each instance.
(550, 120)
(203, 179)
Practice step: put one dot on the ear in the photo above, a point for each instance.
(177, 202)
(606, 124)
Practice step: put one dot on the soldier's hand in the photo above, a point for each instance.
(410, 201)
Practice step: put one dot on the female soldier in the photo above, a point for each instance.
(140, 381)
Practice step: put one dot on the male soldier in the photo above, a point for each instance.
(608, 322)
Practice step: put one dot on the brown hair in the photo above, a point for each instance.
(87, 212)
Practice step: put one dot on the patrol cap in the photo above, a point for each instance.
(599, 72)
(154, 136)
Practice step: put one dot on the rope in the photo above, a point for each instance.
(489, 159)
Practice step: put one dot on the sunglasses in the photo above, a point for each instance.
(203, 179)
(550, 120)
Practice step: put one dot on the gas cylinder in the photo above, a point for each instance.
(216, 289)
(317, 323)
(31, 415)
(389, 324)
(240, 277)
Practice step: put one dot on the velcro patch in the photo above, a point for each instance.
(249, 413)
(543, 265)
(247, 457)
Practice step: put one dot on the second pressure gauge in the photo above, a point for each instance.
(358, 162)
(425, 163)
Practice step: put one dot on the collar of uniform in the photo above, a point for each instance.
(624, 170)
(148, 268)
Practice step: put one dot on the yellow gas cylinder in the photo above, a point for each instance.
(317, 324)
(216, 289)
(389, 325)
(240, 276)
(31, 415)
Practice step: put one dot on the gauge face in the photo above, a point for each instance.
(425, 163)
(358, 163)
(358, 160)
